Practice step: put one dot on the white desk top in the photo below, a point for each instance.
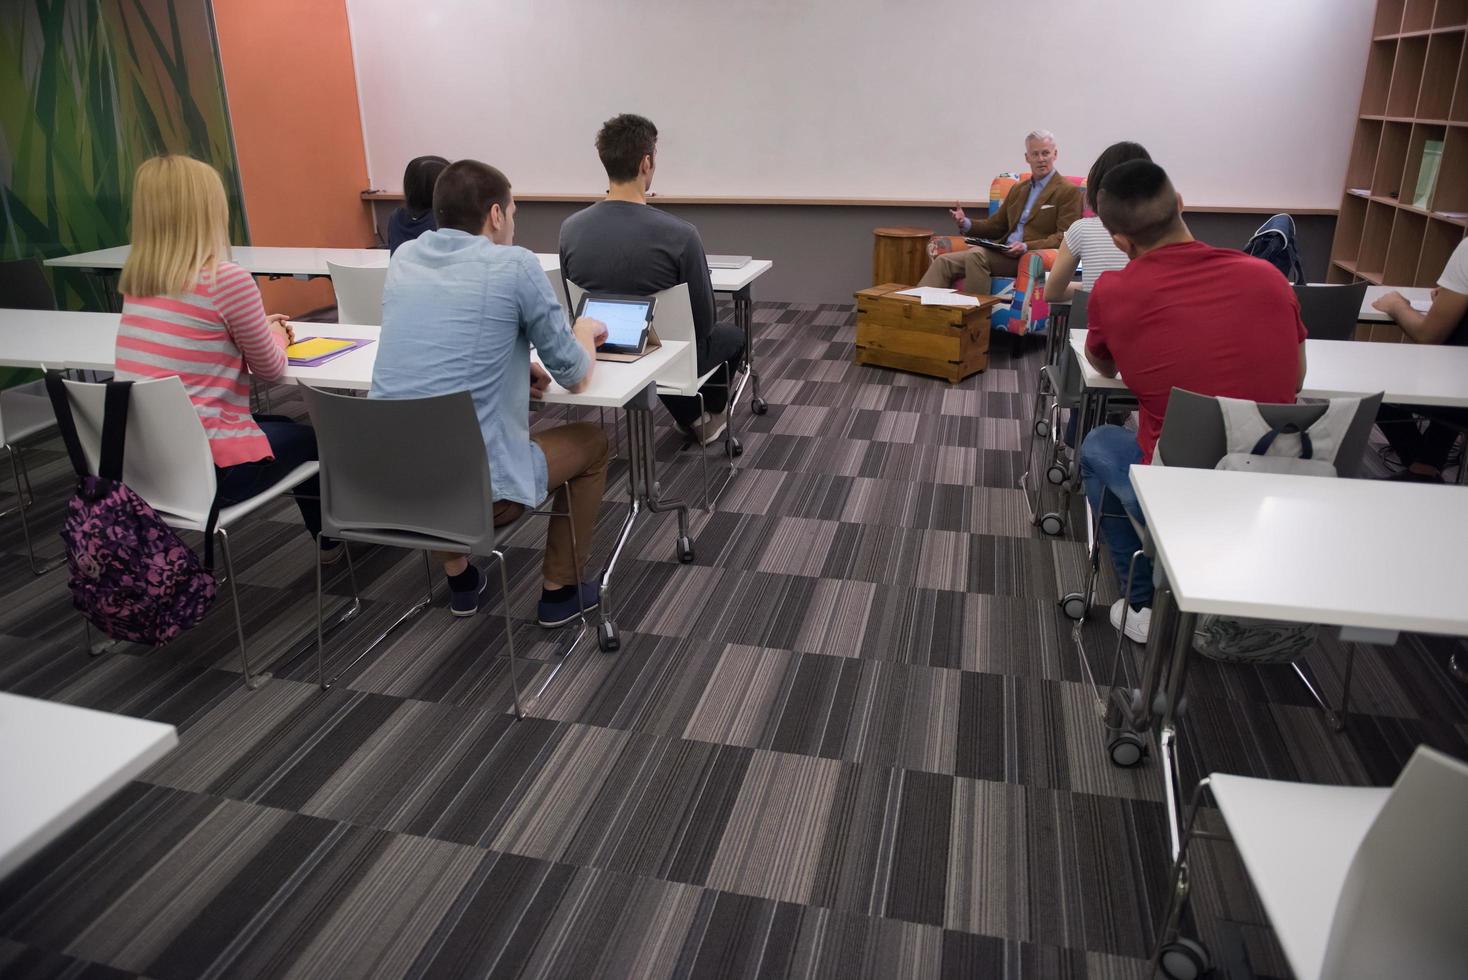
(68, 339)
(265, 260)
(59, 762)
(1373, 293)
(1409, 374)
(1366, 553)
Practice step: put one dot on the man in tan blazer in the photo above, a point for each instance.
(1035, 214)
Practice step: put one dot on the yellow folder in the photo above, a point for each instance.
(315, 347)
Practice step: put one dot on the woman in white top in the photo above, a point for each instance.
(1087, 242)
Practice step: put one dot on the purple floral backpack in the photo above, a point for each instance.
(131, 575)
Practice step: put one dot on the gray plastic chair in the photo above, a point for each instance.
(1193, 434)
(23, 286)
(1331, 312)
(408, 473)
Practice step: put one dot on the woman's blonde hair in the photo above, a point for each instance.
(180, 227)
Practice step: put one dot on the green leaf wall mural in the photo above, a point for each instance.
(89, 89)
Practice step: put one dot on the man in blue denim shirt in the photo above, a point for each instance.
(460, 310)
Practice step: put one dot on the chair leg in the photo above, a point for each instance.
(320, 635)
(703, 449)
(510, 631)
(24, 500)
(252, 681)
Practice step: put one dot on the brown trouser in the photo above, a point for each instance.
(977, 267)
(575, 459)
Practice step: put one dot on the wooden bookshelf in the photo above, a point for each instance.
(1416, 90)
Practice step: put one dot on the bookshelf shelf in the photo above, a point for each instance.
(1413, 116)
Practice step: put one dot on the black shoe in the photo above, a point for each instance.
(559, 612)
(466, 602)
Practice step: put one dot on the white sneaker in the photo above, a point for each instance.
(1138, 621)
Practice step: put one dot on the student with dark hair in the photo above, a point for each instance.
(1181, 314)
(1087, 243)
(621, 245)
(416, 215)
(460, 309)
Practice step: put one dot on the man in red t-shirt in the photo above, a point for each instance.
(1181, 314)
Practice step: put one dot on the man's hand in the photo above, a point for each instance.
(1391, 303)
(958, 216)
(539, 381)
(591, 332)
(1016, 250)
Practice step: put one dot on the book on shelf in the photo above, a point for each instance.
(1432, 158)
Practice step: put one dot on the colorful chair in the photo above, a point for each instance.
(1026, 311)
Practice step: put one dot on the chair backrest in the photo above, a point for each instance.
(403, 467)
(166, 459)
(999, 189)
(358, 292)
(1331, 312)
(672, 318)
(1193, 433)
(1403, 909)
(23, 286)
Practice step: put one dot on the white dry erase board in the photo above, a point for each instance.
(1248, 103)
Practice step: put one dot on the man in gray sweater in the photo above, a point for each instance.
(621, 245)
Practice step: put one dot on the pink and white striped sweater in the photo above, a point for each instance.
(208, 337)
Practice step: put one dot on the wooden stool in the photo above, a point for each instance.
(900, 255)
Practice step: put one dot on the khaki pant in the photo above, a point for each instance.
(575, 458)
(977, 267)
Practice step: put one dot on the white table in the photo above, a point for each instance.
(1414, 294)
(1427, 375)
(1371, 556)
(308, 263)
(59, 762)
(263, 260)
(87, 341)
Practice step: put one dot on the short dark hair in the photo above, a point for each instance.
(622, 143)
(1113, 156)
(465, 193)
(1138, 201)
(418, 178)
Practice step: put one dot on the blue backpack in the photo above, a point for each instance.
(1274, 242)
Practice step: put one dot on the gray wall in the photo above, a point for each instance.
(823, 254)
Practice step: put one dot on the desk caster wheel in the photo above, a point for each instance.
(759, 406)
(1073, 604)
(685, 550)
(1126, 750)
(734, 448)
(1052, 524)
(1042, 428)
(1056, 474)
(607, 638)
(1185, 959)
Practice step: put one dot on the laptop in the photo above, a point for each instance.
(727, 261)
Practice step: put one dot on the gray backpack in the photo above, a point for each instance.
(1258, 447)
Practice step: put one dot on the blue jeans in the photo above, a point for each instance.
(1106, 456)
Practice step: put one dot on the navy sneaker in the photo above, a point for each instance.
(466, 603)
(559, 612)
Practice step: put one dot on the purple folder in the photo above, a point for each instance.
(323, 358)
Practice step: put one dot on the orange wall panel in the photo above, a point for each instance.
(292, 92)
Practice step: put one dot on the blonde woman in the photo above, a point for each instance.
(189, 312)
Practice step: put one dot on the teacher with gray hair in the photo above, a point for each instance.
(1034, 215)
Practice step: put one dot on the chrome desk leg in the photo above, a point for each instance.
(744, 317)
(641, 483)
